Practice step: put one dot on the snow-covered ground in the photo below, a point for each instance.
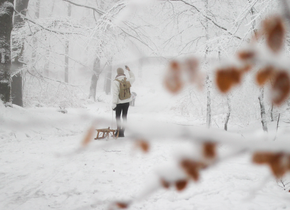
(44, 166)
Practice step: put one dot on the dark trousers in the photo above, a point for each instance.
(121, 109)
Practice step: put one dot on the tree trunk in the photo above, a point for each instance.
(95, 78)
(66, 61)
(17, 50)
(108, 78)
(6, 16)
(37, 9)
(16, 83)
(67, 50)
(46, 64)
(52, 8)
(35, 43)
(208, 81)
(261, 97)
(229, 113)
(272, 112)
(48, 49)
(208, 102)
(263, 112)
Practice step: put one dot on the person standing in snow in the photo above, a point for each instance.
(121, 103)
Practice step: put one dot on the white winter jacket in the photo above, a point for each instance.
(116, 89)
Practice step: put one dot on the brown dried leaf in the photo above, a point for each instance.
(223, 80)
(172, 80)
(192, 168)
(275, 32)
(264, 75)
(165, 183)
(274, 160)
(246, 55)
(236, 75)
(122, 205)
(209, 150)
(174, 65)
(246, 68)
(143, 145)
(288, 163)
(281, 87)
(181, 184)
(262, 157)
(173, 84)
(191, 68)
(88, 136)
(226, 78)
(277, 166)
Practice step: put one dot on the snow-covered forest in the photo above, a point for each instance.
(209, 127)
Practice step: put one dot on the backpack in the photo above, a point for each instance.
(125, 92)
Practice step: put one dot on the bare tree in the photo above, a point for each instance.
(95, 78)
(263, 112)
(6, 16)
(17, 52)
(48, 50)
(228, 114)
(66, 74)
(208, 80)
(37, 8)
(261, 96)
(108, 79)
(35, 43)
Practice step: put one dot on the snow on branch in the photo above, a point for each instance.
(53, 80)
(100, 12)
(6, 8)
(210, 19)
(268, 59)
(189, 164)
(46, 28)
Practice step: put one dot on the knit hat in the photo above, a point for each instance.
(120, 71)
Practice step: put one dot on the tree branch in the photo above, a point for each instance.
(134, 37)
(47, 29)
(100, 12)
(208, 18)
(53, 80)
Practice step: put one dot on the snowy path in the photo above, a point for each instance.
(33, 176)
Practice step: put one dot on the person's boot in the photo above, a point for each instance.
(117, 133)
(121, 133)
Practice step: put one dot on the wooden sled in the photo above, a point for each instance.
(105, 133)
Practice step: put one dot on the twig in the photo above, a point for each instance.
(277, 126)
(44, 77)
(47, 29)
(284, 186)
(100, 12)
(278, 122)
(211, 20)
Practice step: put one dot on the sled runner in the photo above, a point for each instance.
(105, 133)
